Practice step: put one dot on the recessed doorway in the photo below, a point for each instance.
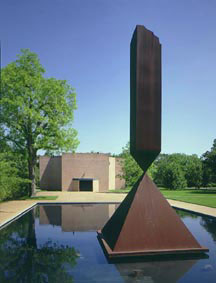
(86, 185)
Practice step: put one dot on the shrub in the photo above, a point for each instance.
(11, 184)
(171, 176)
(130, 169)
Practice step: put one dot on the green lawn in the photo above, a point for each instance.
(41, 198)
(203, 197)
(120, 191)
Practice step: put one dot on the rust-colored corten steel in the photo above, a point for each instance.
(145, 223)
(145, 97)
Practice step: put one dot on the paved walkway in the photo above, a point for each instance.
(11, 209)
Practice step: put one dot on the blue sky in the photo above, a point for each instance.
(87, 42)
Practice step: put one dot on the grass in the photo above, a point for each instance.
(41, 198)
(202, 197)
(196, 196)
(120, 191)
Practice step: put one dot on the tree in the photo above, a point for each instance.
(209, 166)
(11, 183)
(130, 168)
(13, 172)
(189, 165)
(193, 171)
(173, 176)
(160, 164)
(35, 112)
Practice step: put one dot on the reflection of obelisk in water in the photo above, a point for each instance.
(155, 271)
(145, 223)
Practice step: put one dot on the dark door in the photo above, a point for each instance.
(86, 186)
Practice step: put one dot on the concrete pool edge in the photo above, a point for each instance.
(16, 216)
(28, 208)
(196, 209)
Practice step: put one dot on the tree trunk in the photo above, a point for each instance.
(32, 154)
(31, 250)
(31, 167)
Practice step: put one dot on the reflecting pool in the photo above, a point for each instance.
(58, 243)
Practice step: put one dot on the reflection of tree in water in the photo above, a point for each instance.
(22, 261)
(210, 226)
(184, 214)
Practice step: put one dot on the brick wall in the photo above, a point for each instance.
(50, 173)
(85, 165)
(119, 183)
(57, 173)
(77, 217)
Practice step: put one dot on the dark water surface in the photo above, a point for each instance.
(59, 244)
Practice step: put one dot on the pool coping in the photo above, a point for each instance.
(24, 211)
(194, 212)
(16, 216)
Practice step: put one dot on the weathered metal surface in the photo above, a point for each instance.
(145, 97)
(145, 223)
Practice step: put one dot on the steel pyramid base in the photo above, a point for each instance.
(145, 224)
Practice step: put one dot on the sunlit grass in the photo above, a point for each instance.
(202, 197)
(41, 198)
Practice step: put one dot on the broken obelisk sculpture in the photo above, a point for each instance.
(145, 223)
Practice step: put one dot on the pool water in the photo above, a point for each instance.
(58, 243)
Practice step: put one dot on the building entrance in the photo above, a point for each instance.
(86, 185)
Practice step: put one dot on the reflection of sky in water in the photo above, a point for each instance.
(92, 264)
(204, 270)
(199, 232)
(93, 259)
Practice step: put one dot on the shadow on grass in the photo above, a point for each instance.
(203, 192)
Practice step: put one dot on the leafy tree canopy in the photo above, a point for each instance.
(36, 112)
(131, 169)
(11, 183)
(186, 168)
(209, 165)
